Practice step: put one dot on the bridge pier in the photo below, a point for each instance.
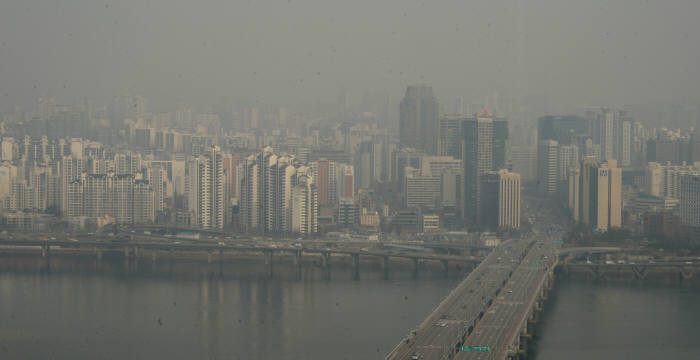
(325, 260)
(385, 267)
(98, 254)
(326, 265)
(268, 257)
(268, 262)
(209, 256)
(297, 257)
(415, 266)
(153, 256)
(524, 336)
(126, 252)
(355, 266)
(221, 262)
(685, 273)
(640, 272)
(599, 272)
(385, 263)
(46, 255)
(445, 266)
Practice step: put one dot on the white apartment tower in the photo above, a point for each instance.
(304, 212)
(205, 190)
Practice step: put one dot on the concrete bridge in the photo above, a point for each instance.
(217, 252)
(683, 271)
(491, 313)
(447, 327)
(588, 250)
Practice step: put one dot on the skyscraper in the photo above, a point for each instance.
(689, 206)
(478, 158)
(574, 181)
(500, 203)
(548, 166)
(418, 119)
(524, 161)
(561, 128)
(567, 157)
(500, 143)
(602, 193)
(450, 141)
(607, 134)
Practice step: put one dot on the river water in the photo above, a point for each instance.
(76, 309)
(600, 320)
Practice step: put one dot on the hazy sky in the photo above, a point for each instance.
(201, 52)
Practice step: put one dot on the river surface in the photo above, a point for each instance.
(599, 320)
(76, 309)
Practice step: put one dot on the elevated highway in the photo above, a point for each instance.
(456, 316)
(506, 327)
(216, 251)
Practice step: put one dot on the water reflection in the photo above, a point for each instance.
(81, 309)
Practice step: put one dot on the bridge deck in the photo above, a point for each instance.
(505, 319)
(449, 323)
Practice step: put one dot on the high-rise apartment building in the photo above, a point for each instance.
(8, 149)
(205, 192)
(418, 119)
(664, 180)
(326, 182)
(96, 195)
(72, 168)
(250, 195)
(157, 177)
(121, 198)
(346, 181)
(268, 184)
(143, 211)
(304, 209)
